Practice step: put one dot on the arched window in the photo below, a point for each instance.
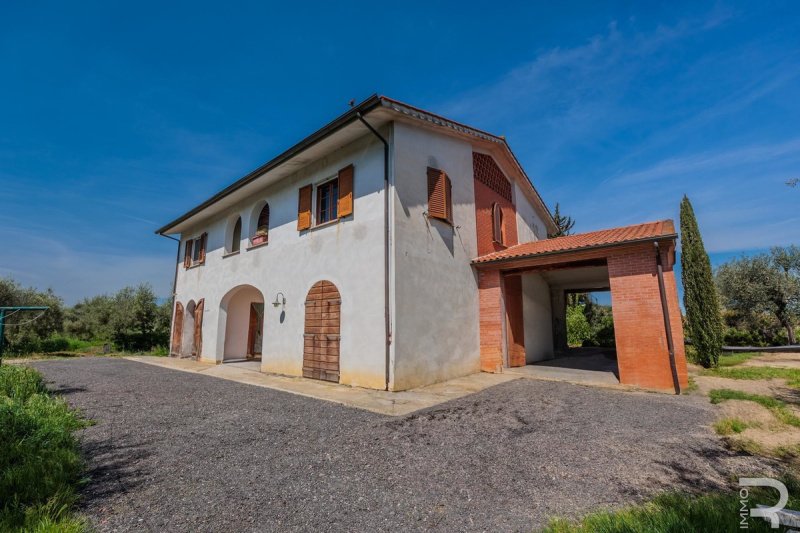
(236, 238)
(260, 236)
(497, 224)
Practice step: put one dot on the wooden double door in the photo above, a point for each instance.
(321, 339)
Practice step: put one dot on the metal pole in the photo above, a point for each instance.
(3, 320)
(2, 333)
(667, 325)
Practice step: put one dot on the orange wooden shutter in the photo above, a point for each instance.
(439, 192)
(345, 206)
(177, 330)
(448, 189)
(198, 328)
(497, 223)
(304, 208)
(203, 239)
(187, 255)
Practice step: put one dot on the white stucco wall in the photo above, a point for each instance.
(537, 318)
(348, 253)
(529, 224)
(436, 299)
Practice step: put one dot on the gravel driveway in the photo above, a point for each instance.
(173, 451)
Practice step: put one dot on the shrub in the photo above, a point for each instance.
(40, 464)
(578, 328)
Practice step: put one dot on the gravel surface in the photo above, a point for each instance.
(174, 451)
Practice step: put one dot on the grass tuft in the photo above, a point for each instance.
(677, 513)
(729, 426)
(737, 358)
(778, 407)
(791, 375)
(40, 464)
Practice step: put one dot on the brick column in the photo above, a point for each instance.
(642, 354)
(490, 300)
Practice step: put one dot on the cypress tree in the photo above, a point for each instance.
(703, 317)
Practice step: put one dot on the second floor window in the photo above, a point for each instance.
(261, 235)
(236, 239)
(498, 235)
(195, 251)
(327, 201)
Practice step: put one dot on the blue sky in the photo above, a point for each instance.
(115, 117)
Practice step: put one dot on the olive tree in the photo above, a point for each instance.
(765, 283)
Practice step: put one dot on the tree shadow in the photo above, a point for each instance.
(112, 467)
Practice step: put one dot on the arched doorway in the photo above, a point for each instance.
(242, 317)
(321, 339)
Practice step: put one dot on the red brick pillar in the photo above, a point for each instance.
(490, 299)
(515, 327)
(642, 354)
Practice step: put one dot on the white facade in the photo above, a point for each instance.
(433, 288)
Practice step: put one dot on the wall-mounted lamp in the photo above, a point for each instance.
(280, 299)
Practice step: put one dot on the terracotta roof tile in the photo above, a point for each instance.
(606, 237)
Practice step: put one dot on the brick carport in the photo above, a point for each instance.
(645, 310)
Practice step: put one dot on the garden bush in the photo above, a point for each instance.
(40, 464)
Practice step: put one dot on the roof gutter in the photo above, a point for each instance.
(386, 281)
(493, 262)
(335, 125)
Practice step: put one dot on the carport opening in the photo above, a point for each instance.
(568, 322)
(590, 331)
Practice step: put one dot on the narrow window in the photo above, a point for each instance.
(497, 224)
(262, 226)
(440, 195)
(327, 201)
(236, 239)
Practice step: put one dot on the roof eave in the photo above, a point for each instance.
(338, 123)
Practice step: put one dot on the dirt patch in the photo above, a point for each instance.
(749, 412)
(775, 360)
(766, 387)
(769, 440)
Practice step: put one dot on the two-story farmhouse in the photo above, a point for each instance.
(395, 248)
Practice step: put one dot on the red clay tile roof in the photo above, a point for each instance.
(593, 239)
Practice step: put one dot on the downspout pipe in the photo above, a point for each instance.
(174, 283)
(667, 326)
(386, 311)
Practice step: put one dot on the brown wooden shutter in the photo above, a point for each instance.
(304, 208)
(448, 188)
(345, 206)
(177, 330)
(203, 239)
(439, 195)
(187, 254)
(198, 328)
(497, 223)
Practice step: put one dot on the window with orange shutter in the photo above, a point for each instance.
(440, 195)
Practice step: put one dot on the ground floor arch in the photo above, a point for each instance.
(321, 337)
(241, 323)
(187, 329)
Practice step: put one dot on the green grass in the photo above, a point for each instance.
(737, 358)
(678, 513)
(791, 375)
(40, 465)
(729, 426)
(778, 407)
